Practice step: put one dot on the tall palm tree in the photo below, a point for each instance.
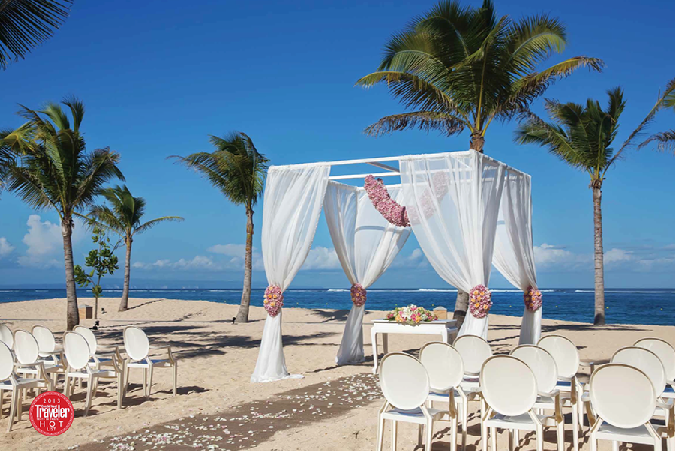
(123, 216)
(24, 24)
(54, 170)
(582, 136)
(460, 68)
(237, 169)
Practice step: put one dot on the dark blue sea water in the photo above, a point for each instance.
(623, 306)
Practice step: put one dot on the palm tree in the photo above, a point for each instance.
(24, 24)
(55, 170)
(123, 217)
(237, 169)
(582, 136)
(462, 68)
(664, 140)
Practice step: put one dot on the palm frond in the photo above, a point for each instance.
(150, 224)
(664, 141)
(422, 120)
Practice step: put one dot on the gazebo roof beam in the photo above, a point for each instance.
(383, 166)
(361, 176)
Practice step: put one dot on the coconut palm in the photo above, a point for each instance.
(460, 68)
(54, 170)
(237, 169)
(123, 216)
(24, 24)
(582, 136)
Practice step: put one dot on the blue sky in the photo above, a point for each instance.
(158, 78)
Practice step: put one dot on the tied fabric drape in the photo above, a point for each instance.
(291, 207)
(366, 245)
(453, 203)
(513, 255)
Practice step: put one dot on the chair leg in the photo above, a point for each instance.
(616, 445)
(394, 436)
(66, 387)
(658, 445)
(484, 436)
(12, 410)
(150, 380)
(145, 382)
(559, 436)
(175, 376)
(420, 435)
(464, 423)
(2, 401)
(428, 436)
(120, 389)
(538, 438)
(126, 380)
(20, 406)
(454, 433)
(381, 426)
(511, 440)
(592, 442)
(90, 389)
(575, 426)
(494, 439)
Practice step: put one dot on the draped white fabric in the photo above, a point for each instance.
(366, 245)
(453, 203)
(291, 208)
(513, 255)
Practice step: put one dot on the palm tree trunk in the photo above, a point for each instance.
(461, 304)
(599, 297)
(72, 314)
(243, 313)
(476, 142)
(124, 302)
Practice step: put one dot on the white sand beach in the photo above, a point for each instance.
(217, 359)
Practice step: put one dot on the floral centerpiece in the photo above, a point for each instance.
(480, 301)
(273, 300)
(411, 314)
(358, 294)
(532, 297)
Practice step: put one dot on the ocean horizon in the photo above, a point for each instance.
(623, 305)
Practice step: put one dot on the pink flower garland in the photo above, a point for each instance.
(273, 300)
(358, 294)
(480, 301)
(386, 206)
(532, 298)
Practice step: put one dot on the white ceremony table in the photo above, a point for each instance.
(444, 327)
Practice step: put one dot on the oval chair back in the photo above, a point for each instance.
(664, 351)
(77, 350)
(45, 338)
(646, 361)
(622, 395)
(25, 347)
(564, 352)
(443, 364)
(474, 351)
(89, 337)
(541, 363)
(136, 343)
(6, 362)
(6, 335)
(404, 381)
(508, 385)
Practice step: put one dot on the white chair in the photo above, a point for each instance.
(405, 385)
(623, 399)
(543, 366)
(567, 360)
(510, 391)
(28, 360)
(137, 346)
(9, 381)
(6, 335)
(98, 359)
(78, 356)
(444, 368)
(474, 351)
(665, 352)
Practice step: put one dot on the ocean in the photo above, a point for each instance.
(623, 306)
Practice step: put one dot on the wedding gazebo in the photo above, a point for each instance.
(467, 211)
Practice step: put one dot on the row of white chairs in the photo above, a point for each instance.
(34, 361)
(515, 391)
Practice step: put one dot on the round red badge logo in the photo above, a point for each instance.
(51, 413)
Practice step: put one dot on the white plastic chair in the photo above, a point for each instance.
(6, 335)
(405, 385)
(445, 370)
(27, 352)
(9, 381)
(567, 360)
(623, 399)
(543, 366)
(474, 351)
(665, 352)
(98, 359)
(78, 357)
(510, 390)
(138, 348)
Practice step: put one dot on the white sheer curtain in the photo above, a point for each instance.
(366, 244)
(513, 255)
(291, 206)
(455, 224)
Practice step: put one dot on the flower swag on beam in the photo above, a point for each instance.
(386, 206)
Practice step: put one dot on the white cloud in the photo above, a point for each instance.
(197, 262)
(616, 255)
(45, 242)
(5, 247)
(415, 259)
(547, 254)
(322, 258)
(231, 250)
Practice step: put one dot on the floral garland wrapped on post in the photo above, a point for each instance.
(532, 298)
(479, 301)
(273, 300)
(386, 206)
(358, 294)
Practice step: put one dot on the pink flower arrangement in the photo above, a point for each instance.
(273, 300)
(532, 297)
(358, 294)
(412, 315)
(479, 301)
(386, 206)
